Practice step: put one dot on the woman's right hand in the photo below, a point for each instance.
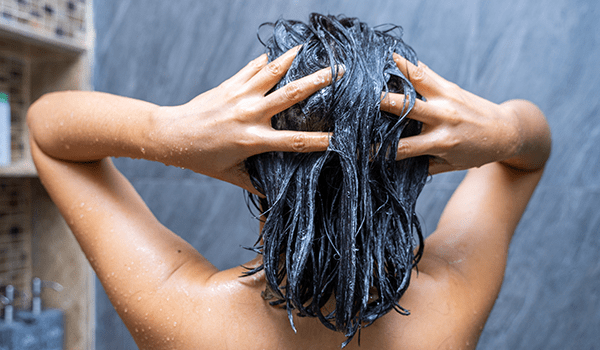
(460, 130)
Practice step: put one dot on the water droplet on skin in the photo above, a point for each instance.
(81, 216)
(139, 298)
(393, 103)
(143, 150)
(125, 310)
(137, 330)
(82, 204)
(174, 324)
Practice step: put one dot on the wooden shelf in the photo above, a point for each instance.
(50, 63)
(23, 34)
(22, 168)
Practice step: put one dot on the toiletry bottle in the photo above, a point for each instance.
(14, 335)
(45, 325)
(4, 130)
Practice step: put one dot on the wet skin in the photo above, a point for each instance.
(170, 297)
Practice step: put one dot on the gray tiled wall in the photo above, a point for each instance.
(167, 52)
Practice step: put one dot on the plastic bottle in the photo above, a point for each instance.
(4, 130)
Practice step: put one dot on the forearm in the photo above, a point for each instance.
(87, 126)
(533, 148)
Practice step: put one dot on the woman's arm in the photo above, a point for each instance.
(142, 265)
(505, 148)
(212, 134)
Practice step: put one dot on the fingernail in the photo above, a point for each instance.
(397, 56)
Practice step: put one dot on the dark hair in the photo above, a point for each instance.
(341, 223)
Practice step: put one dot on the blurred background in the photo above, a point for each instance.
(167, 52)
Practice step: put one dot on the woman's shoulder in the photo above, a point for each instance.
(229, 311)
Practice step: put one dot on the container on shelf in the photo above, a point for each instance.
(5, 146)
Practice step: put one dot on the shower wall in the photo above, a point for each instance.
(167, 52)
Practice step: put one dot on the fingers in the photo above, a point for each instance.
(437, 167)
(269, 75)
(251, 69)
(304, 141)
(414, 146)
(295, 92)
(295, 141)
(398, 104)
(425, 81)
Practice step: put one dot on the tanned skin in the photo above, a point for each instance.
(171, 297)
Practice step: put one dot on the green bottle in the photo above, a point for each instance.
(4, 130)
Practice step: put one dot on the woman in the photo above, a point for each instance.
(169, 296)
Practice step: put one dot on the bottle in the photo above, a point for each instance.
(4, 130)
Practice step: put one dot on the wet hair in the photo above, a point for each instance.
(341, 223)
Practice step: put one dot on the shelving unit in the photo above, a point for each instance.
(45, 45)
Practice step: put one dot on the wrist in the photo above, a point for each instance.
(156, 138)
(165, 137)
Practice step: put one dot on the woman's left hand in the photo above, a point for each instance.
(216, 131)
(460, 130)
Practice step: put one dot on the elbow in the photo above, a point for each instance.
(35, 115)
(536, 136)
(38, 117)
(544, 137)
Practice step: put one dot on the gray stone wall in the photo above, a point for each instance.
(167, 52)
